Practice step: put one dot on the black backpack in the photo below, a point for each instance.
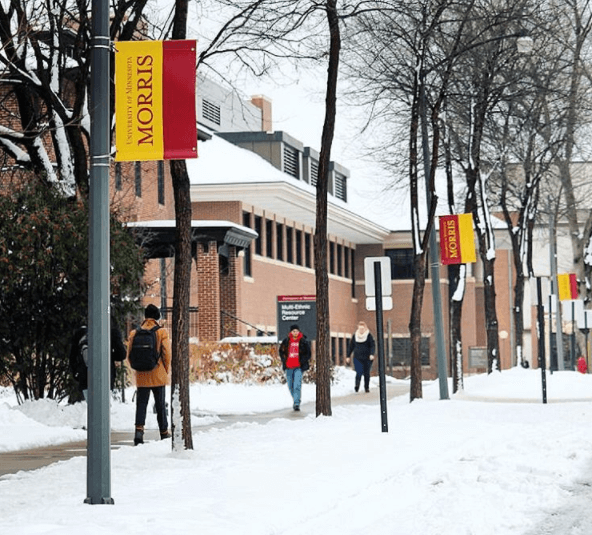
(144, 354)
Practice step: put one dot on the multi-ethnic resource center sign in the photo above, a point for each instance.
(298, 310)
(155, 109)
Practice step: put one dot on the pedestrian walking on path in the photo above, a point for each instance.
(295, 355)
(363, 348)
(153, 380)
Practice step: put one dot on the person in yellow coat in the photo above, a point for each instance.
(154, 380)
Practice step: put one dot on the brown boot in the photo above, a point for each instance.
(165, 434)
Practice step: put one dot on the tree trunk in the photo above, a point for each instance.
(323, 357)
(415, 388)
(180, 411)
(180, 406)
(458, 280)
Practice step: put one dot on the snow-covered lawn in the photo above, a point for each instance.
(492, 460)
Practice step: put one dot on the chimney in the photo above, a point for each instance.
(264, 104)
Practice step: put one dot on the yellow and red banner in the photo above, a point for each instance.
(457, 243)
(155, 111)
(567, 286)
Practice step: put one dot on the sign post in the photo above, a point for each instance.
(584, 324)
(541, 335)
(378, 288)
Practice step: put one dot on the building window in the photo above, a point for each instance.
(259, 239)
(331, 257)
(401, 263)
(340, 187)
(314, 172)
(211, 111)
(307, 250)
(346, 255)
(290, 245)
(247, 267)
(161, 182)
(401, 351)
(138, 175)
(339, 260)
(118, 177)
(279, 234)
(291, 161)
(269, 238)
(299, 247)
(353, 272)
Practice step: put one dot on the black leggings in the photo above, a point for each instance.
(142, 398)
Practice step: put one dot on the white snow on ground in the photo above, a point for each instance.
(493, 460)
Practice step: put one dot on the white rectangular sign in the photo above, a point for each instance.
(385, 275)
(387, 303)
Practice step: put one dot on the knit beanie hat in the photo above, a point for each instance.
(152, 311)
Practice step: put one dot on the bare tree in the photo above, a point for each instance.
(45, 86)
(260, 33)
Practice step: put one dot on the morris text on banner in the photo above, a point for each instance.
(155, 112)
(457, 244)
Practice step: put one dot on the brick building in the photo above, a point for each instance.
(253, 199)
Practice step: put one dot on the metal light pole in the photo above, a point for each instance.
(99, 428)
(554, 292)
(433, 255)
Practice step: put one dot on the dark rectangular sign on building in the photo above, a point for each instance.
(297, 309)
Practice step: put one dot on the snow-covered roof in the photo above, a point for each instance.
(224, 172)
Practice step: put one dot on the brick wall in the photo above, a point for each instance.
(208, 285)
(229, 297)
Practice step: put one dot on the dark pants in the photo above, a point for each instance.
(363, 367)
(142, 398)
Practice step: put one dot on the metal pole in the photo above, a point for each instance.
(573, 334)
(433, 256)
(558, 319)
(552, 357)
(380, 342)
(586, 332)
(99, 432)
(541, 338)
(389, 345)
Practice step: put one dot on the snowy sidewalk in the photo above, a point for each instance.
(34, 458)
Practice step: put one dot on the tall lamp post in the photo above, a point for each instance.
(99, 428)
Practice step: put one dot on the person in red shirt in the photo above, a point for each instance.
(295, 355)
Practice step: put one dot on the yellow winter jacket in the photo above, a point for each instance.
(159, 376)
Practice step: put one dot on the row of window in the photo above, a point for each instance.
(400, 351)
(294, 246)
(138, 178)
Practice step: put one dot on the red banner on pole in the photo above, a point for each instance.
(155, 110)
(457, 244)
(567, 286)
